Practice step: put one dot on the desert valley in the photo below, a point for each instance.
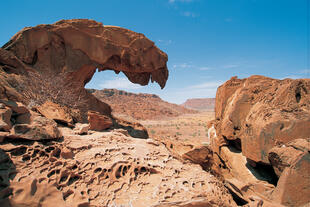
(64, 145)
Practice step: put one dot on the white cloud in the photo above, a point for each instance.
(120, 83)
(202, 90)
(182, 66)
(190, 66)
(231, 66)
(174, 1)
(189, 14)
(165, 42)
(207, 85)
(205, 68)
(291, 77)
(297, 75)
(305, 71)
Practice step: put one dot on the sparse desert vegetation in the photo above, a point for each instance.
(187, 127)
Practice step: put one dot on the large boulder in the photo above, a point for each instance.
(38, 128)
(134, 129)
(17, 107)
(5, 116)
(18, 122)
(261, 113)
(291, 162)
(98, 122)
(56, 112)
(283, 156)
(293, 187)
(55, 61)
(255, 148)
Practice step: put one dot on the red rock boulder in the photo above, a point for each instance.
(293, 161)
(98, 122)
(56, 112)
(38, 128)
(262, 112)
(18, 122)
(283, 156)
(5, 116)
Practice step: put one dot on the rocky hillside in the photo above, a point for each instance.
(140, 106)
(206, 104)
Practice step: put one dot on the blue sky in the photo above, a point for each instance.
(207, 41)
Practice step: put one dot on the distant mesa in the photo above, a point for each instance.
(141, 106)
(201, 104)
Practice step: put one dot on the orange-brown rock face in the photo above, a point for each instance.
(16, 122)
(54, 62)
(260, 146)
(104, 169)
(263, 112)
(54, 111)
(292, 162)
(98, 122)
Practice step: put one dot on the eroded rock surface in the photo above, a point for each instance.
(56, 112)
(261, 144)
(109, 169)
(292, 164)
(98, 122)
(18, 122)
(263, 112)
(54, 62)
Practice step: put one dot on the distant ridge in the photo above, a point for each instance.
(201, 104)
(141, 106)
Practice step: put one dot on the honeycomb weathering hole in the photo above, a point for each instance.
(298, 97)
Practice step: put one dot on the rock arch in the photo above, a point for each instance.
(55, 61)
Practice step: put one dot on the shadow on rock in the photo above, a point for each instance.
(7, 173)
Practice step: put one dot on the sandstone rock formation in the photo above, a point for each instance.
(134, 129)
(98, 122)
(292, 164)
(105, 169)
(262, 112)
(56, 112)
(19, 122)
(54, 62)
(33, 193)
(200, 104)
(140, 106)
(261, 145)
(45, 68)
(285, 155)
